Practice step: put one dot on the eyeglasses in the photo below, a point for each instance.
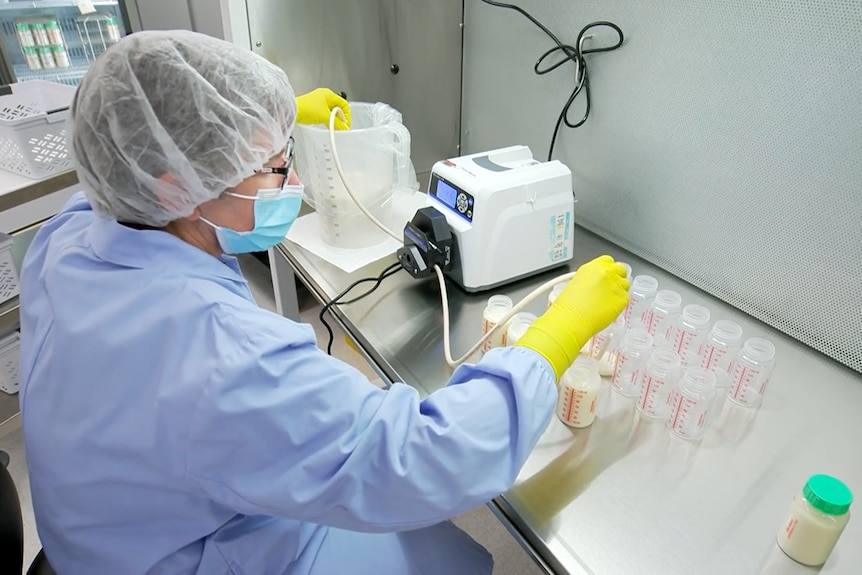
(284, 170)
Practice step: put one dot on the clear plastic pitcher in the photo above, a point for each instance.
(375, 158)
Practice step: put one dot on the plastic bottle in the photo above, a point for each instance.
(659, 379)
(690, 403)
(720, 346)
(555, 293)
(113, 30)
(55, 36)
(46, 57)
(628, 271)
(818, 516)
(31, 56)
(641, 294)
(750, 372)
(690, 331)
(498, 306)
(661, 316)
(61, 57)
(579, 390)
(716, 354)
(40, 34)
(518, 326)
(631, 355)
(25, 35)
(607, 338)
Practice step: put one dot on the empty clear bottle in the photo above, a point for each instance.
(750, 372)
(690, 403)
(690, 331)
(631, 356)
(720, 346)
(660, 318)
(603, 346)
(628, 270)
(659, 379)
(641, 294)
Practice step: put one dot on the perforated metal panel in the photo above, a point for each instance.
(724, 143)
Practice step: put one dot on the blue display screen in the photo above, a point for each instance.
(446, 193)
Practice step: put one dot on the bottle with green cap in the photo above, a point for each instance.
(113, 30)
(31, 56)
(25, 35)
(818, 516)
(40, 34)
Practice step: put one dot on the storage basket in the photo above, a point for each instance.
(8, 273)
(33, 128)
(9, 354)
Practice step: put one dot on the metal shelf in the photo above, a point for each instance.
(49, 4)
(9, 315)
(70, 76)
(9, 409)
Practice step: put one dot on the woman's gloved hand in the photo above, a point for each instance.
(593, 299)
(315, 107)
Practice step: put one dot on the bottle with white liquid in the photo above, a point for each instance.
(579, 391)
(25, 35)
(818, 516)
(497, 308)
(518, 326)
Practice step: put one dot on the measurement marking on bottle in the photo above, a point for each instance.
(737, 383)
(633, 302)
(791, 527)
(571, 405)
(650, 320)
(647, 391)
(683, 341)
(678, 399)
(622, 360)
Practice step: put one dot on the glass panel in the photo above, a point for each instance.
(54, 41)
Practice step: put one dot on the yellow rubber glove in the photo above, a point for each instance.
(315, 107)
(593, 299)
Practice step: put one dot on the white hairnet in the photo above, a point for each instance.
(164, 121)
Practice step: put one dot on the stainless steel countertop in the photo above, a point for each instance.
(623, 496)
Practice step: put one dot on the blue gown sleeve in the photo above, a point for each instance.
(285, 430)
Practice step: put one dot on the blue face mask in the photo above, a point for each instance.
(274, 212)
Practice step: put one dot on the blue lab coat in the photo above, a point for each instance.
(173, 426)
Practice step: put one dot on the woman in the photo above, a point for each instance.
(173, 426)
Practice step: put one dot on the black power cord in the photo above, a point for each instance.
(389, 271)
(573, 54)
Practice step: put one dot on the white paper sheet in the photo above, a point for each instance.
(307, 232)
